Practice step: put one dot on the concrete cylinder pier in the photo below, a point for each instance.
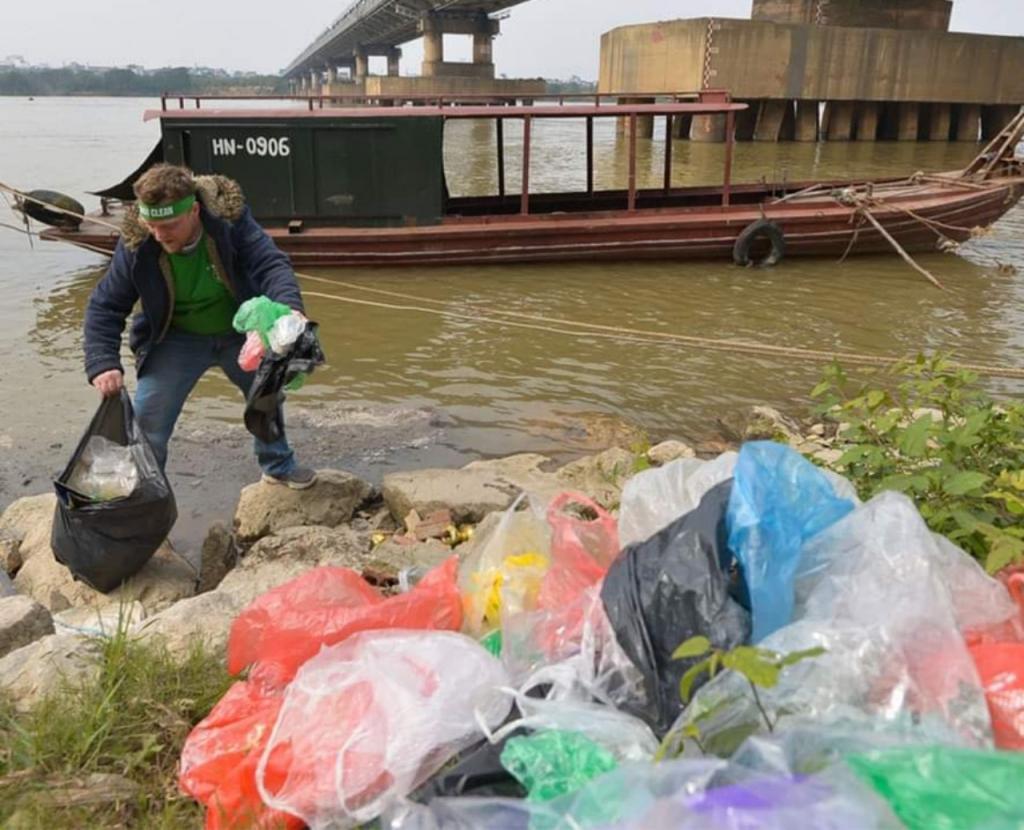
(868, 117)
(968, 122)
(908, 121)
(806, 121)
(394, 56)
(710, 128)
(838, 124)
(939, 122)
(772, 117)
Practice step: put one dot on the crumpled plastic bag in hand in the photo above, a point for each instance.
(285, 332)
(106, 471)
(251, 354)
(366, 721)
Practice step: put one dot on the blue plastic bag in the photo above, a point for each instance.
(779, 500)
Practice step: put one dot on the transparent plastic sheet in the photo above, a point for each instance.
(668, 588)
(504, 572)
(779, 501)
(105, 470)
(655, 498)
(364, 722)
(871, 591)
(281, 629)
(555, 762)
(947, 788)
(627, 792)
(219, 759)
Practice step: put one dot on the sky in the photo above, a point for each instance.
(548, 38)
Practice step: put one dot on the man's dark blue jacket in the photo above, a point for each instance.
(244, 257)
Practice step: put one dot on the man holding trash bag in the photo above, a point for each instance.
(192, 253)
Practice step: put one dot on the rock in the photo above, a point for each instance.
(29, 520)
(219, 556)
(817, 430)
(827, 456)
(264, 509)
(165, 579)
(100, 621)
(204, 619)
(391, 556)
(666, 451)
(599, 476)
(10, 551)
(277, 559)
(764, 423)
(36, 671)
(22, 621)
(470, 492)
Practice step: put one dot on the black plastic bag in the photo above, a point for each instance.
(477, 772)
(675, 585)
(263, 416)
(103, 543)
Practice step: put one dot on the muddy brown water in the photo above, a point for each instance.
(405, 390)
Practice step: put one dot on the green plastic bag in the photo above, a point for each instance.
(947, 788)
(492, 642)
(555, 762)
(259, 314)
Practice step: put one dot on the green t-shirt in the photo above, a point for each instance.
(202, 303)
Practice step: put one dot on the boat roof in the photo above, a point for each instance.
(449, 111)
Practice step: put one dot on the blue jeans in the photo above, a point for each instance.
(170, 372)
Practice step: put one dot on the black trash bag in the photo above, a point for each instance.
(103, 543)
(263, 415)
(675, 585)
(478, 772)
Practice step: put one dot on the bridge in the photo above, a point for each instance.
(337, 62)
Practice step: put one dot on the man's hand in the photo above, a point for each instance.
(109, 383)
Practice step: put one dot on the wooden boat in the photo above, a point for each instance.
(365, 185)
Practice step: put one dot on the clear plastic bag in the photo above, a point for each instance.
(779, 501)
(285, 332)
(366, 721)
(871, 591)
(657, 497)
(105, 470)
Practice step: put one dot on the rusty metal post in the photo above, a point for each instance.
(524, 197)
(501, 157)
(631, 195)
(590, 155)
(668, 152)
(730, 120)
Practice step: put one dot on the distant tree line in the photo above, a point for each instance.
(575, 84)
(74, 80)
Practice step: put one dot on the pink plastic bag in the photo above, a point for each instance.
(581, 549)
(251, 355)
(281, 629)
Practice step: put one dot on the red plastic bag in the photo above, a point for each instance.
(283, 628)
(251, 355)
(581, 550)
(220, 756)
(1001, 666)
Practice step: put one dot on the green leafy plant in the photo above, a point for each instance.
(927, 429)
(760, 667)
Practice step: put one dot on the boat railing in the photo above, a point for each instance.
(314, 102)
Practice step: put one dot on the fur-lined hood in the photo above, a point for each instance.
(222, 197)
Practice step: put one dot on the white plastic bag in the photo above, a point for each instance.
(655, 498)
(106, 471)
(285, 332)
(366, 721)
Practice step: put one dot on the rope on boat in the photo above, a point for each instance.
(557, 325)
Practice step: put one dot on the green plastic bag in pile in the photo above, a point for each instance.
(555, 762)
(259, 314)
(947, 788)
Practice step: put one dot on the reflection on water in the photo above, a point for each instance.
(505, 389)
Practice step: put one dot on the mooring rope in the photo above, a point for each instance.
(538, 322)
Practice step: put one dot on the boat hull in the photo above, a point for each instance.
(918, 217)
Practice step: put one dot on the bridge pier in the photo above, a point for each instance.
(806, 121)
(968, 122)
(939, 122)
(434, 26)
(362, 64)
(394, 56)
(868, 113)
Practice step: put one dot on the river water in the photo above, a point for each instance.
(405, 390)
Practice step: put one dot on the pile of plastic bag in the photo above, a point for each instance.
(530, 682)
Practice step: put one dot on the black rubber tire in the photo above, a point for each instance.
(54, 218)
(754, 232)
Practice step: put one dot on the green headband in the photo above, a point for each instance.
(155, 213)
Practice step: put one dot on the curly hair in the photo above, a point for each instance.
(164, 183)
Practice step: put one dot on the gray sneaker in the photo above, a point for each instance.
(301, 478)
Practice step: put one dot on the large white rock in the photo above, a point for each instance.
(22, 621)
(264, 509)
(99, 620)
(38, 670)
(277, 559)
(10, 551)
(28, 521)
(202, 620)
